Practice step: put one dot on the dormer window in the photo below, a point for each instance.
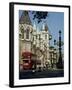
(27, 33)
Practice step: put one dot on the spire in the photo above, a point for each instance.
(25, 19)
(34, 26)
(46, 27)
(37, 29)
(43, 26)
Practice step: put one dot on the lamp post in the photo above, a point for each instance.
(60, 63)
(54, 42)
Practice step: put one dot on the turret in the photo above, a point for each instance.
(34, 26)
(43, 26)
(25, 19)
(46, 28)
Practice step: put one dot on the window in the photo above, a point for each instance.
(39, 37)
(45, 36)
(25, 61)
(36, 36)
(22, 32)
(27, 34)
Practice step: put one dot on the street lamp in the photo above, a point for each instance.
(60, 63)
(54, 42)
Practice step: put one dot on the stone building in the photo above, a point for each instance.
(33, 41)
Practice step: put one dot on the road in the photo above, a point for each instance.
(41, 74)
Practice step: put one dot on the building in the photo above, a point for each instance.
(33, 42)
(53, 56)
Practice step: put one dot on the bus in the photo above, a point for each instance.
(29, 60)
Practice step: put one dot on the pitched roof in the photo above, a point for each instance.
(25, 19)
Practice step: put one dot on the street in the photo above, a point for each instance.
(41, 74)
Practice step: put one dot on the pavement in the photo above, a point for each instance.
(29, 74)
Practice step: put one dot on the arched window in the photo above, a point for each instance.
(22, 32)
(27, 33)
(45, 36)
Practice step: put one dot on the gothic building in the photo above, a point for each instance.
(33, 41)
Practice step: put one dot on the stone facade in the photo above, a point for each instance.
(33, 40)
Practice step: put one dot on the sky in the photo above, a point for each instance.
(55, 22)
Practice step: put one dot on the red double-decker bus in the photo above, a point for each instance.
(28, 60)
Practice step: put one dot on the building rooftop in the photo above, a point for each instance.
(25, 19)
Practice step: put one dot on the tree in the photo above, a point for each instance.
(39, 15)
